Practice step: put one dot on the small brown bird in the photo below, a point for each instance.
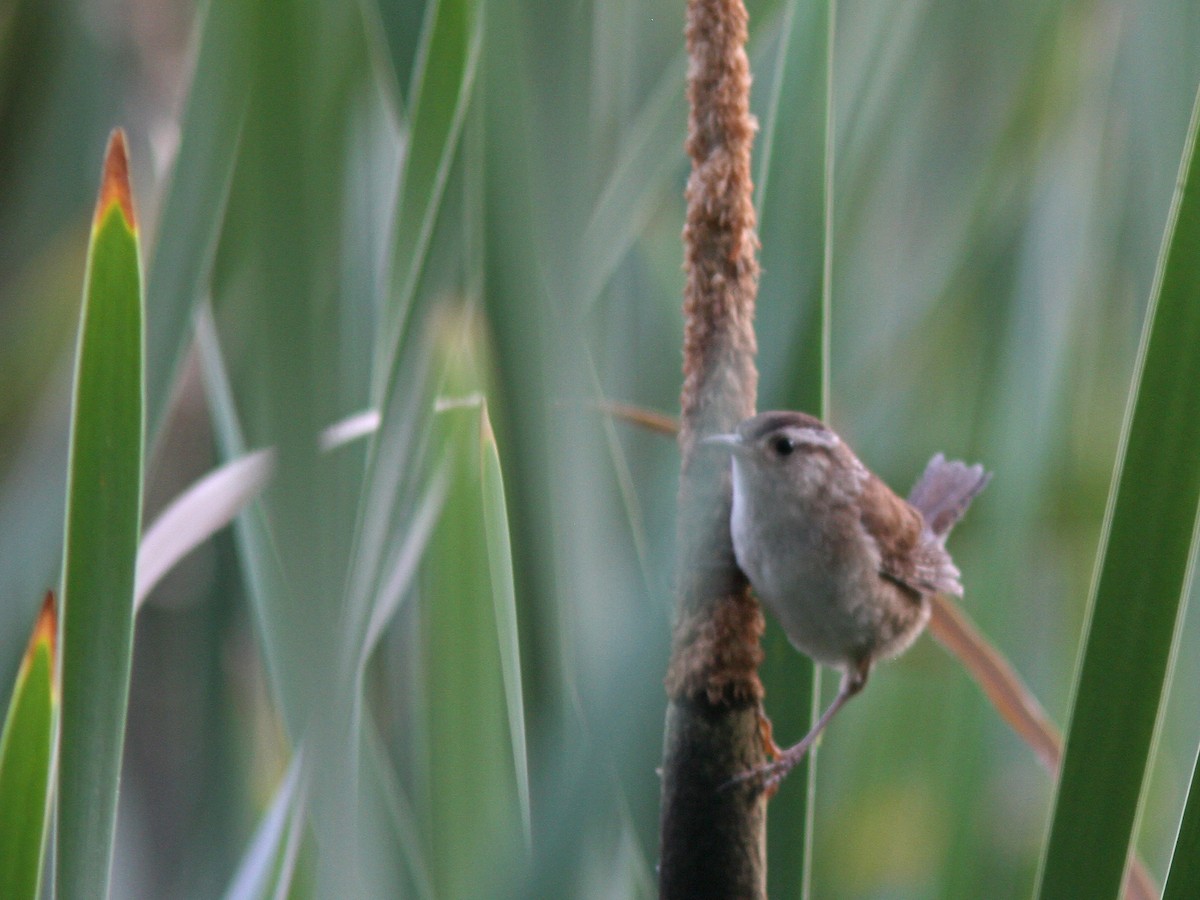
(846, 566)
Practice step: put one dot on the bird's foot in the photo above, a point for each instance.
(768, 776)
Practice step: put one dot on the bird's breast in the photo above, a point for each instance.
(818, 573)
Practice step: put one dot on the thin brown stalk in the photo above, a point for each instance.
(659, 423)
(713, 841)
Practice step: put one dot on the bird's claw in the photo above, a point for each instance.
(766, 777)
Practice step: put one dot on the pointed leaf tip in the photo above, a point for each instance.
(114, 187)
(46, 628)
(45, 631)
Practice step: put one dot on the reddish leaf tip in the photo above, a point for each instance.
(114, 187)
(46, 628)
(45, 631)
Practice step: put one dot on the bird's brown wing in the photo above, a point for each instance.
(908, 553)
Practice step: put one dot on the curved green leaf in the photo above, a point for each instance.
(1142, 579)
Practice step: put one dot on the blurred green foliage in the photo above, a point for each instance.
(1002, 179)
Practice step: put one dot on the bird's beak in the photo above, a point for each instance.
(731, 442)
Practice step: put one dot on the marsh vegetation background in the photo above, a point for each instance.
(386, 203)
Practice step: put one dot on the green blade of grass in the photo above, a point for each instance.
(794, 178)
(104, 501)
(269, 864)
(26, 752)
(1143, 574)
(504, 604)
(472, 664)
(469, 728)
(194, 206)
(385, 799)
(1183, 880)
(262, 569)
(441, 92)
(647, 164)
(794, 206)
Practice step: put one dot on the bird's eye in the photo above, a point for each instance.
(783, 445)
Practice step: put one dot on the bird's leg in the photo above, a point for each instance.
(774, 772)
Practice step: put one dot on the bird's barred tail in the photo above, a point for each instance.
(945, 490)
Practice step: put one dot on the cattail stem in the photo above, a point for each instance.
(713, 841)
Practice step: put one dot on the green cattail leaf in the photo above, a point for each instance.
(1142, 577)
(103, 521)
(472, 669)
(26, 753)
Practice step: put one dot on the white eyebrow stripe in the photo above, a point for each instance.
(812, 437)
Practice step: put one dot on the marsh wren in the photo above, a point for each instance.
(845, 565)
